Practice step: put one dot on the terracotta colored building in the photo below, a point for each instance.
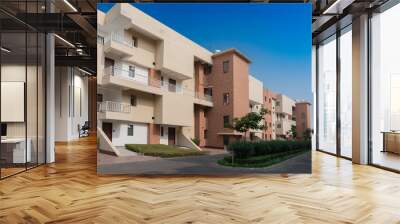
(302, 118)
(228, 83)
(270, 117)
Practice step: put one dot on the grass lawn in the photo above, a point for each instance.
(164, 151)
(261, 161)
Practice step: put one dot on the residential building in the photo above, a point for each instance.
(158, 87)
(285, 108)
(303, 116)
(256, 91)
(270, 117)
(151, 81)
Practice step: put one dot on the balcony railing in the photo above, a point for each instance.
(132, 76)
(203, 96)
(111, 106)
(175, 88)
(119, 39)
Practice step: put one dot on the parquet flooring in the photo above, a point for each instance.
(69, 191)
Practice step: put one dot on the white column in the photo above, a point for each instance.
(50, 99)
(360, 90)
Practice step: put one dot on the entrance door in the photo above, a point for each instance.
(171, 136)
(107, 128)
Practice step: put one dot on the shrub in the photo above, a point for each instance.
(196, 141)
(244, 149)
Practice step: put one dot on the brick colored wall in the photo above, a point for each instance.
(154, 134)
(236, 83)
(199, 78)
(302, 123)
(200, 124)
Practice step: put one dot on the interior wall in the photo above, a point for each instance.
(71, 102)
(13, 73)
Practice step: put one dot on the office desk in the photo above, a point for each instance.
(391, 141)
(13, 150)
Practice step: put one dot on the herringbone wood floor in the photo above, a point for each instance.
(69, 191)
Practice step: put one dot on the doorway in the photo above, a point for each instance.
(107, 129)
(171, 136)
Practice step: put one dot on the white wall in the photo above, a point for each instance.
(71, 103)
(141, 73)
(120, 134)
(255, 90)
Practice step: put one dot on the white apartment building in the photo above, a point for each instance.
(146, 80)
(285, 115)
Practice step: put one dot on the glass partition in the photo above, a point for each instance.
(327, 95)
(22, 101)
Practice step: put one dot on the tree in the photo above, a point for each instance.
(293, 132)
(251, 121)
(307, 134)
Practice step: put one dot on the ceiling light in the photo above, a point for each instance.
(5, 50)
(70, 5)
(64, 40)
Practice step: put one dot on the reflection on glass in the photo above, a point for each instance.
(385, 93)
(327, 95)
(346, 93)
(15, 151)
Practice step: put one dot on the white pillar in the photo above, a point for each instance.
(360, 90)
(50, 99)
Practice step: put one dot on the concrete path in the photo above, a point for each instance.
(198, 165)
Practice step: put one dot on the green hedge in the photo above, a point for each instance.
(244, 149)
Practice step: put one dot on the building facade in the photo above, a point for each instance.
(156, 86)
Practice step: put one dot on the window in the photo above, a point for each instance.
(303, 115)
(265, 99)
(133, 100)
(279, 126)
(135, 41)
(270, 100)
(226, 98)
(226, 140)
(225, 66)
(327, 95)
(162, 80)
(131, 71)
(99, 97)
(205, 133)
(226, 121)
(162, 131)
(207, 69)
(270, 124)
(130, 130)
(208, 91)
(278, 104)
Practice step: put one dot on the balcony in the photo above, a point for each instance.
(203, 99)
(130, 80)
(110, 110)
(110, 106)
(117, 45)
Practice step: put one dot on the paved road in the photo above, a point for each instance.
(202, 165)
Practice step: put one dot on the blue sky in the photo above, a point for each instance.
(276, 37)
